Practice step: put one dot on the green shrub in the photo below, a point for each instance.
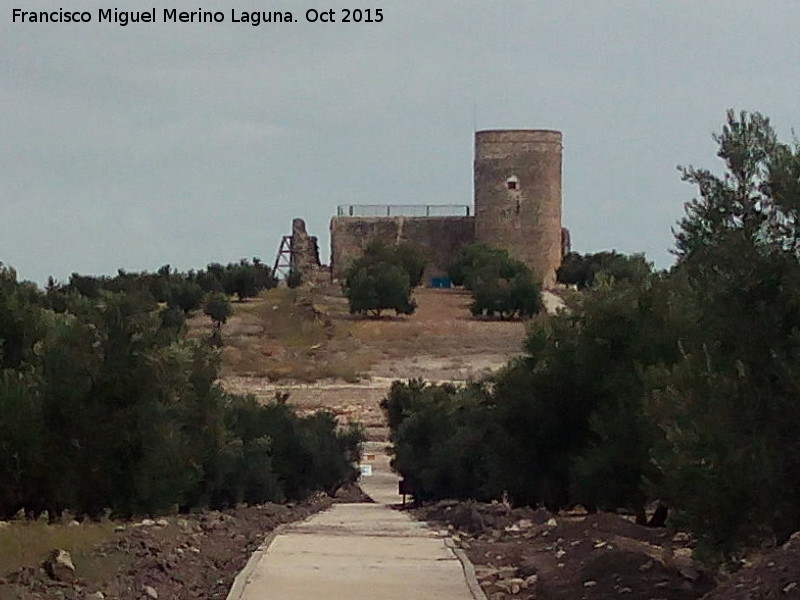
(500, 285)
(106, 406)
(245, 279)
(184, 294)
(304, 454)
(21, 440)
(372, 287)
(405, 256)
(583, 270)
(521, 296)
(217, 306)
(440, 436)
(410, 259)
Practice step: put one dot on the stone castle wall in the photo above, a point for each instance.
(439, 238)
(517, 177)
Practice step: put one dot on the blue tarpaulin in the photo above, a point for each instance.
(441, 282)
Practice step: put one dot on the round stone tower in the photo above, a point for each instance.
(518, 196)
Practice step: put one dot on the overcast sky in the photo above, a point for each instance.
(132, 147)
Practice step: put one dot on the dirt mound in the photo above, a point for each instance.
(351, 493)
(525, 553)
(180, 558)
(775, 575)
(476, 517)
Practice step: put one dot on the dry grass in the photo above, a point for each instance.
(441, 326)
(295, 335)
(24, 543)
(307, 335)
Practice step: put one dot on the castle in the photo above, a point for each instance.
(517, 207)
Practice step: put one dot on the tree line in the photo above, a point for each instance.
(180, 291)
(105, 405)
(681, 387)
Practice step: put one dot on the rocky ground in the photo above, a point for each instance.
(530, 554)
(520, 554)
(177, 558)
(775, 574)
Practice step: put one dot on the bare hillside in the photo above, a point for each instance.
(306, 343)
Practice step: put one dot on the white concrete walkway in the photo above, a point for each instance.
(358, 552)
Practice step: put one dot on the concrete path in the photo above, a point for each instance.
(359, 552)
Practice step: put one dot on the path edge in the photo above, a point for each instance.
(243, 577)
(469, 570)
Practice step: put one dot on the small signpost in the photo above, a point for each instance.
(404, 488)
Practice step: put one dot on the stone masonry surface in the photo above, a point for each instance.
(439, 238)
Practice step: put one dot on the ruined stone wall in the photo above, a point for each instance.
(305, 249)
(304, 255)
(439, 238)
(518, 196)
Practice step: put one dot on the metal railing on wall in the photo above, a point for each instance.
(403, 210)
